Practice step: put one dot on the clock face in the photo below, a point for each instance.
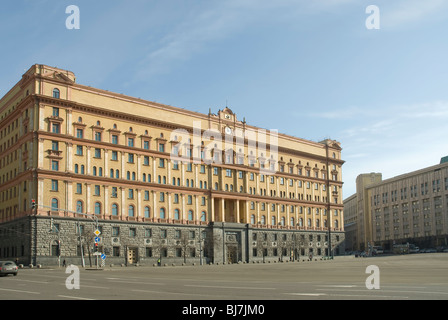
(228, 130)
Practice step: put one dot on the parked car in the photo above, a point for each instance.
(8, 267)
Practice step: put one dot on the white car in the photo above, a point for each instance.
(8, 267)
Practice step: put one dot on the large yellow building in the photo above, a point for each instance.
(157, 181)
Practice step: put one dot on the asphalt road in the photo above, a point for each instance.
(415, 277)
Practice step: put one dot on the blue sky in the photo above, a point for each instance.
(310, 69)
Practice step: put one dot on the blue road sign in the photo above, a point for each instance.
(103, 256)
(97, 239)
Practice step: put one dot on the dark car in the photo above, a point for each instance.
(8, 267)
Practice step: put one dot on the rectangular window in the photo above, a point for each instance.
(130, 142)
(54, 185)
(79, 151)
(97, 190)
(146, 145)
(115, 231)
(97, 136)
(131, 158)
(115, 155)
(79, 133)
(55, 165)
(79, 188)
(97, 153)
(161, 147)
(54, 145)
(55, 112)
(114, 192)
(114, 139)
(55, 128)
(161, 163)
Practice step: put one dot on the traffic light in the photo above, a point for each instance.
(33, 204)
(95, 248)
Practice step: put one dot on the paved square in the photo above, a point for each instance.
(418, 276)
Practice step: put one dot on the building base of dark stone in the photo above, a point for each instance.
(52, 241)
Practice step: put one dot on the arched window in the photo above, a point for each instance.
(54, 204)
(336, 224)
(291, 223)
(309, 222)
(263, 219)
(79, 206)
(273, 220)
(317, 223)
(190, 215)
(301, 222)
(282, 221)
(115, 209)
(94, 171)
(82, 169)
(147, 212)
(131, 211)
(162, 213)
(176, 214)
(117, 174)
(76, 168)
(56, 93)
(252, 219)
(203, 216)
(97, 208)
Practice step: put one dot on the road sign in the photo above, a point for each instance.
(97, 239)
(103, 256)
(97, 232)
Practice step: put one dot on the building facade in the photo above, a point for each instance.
(410, 208)
(156, 181)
